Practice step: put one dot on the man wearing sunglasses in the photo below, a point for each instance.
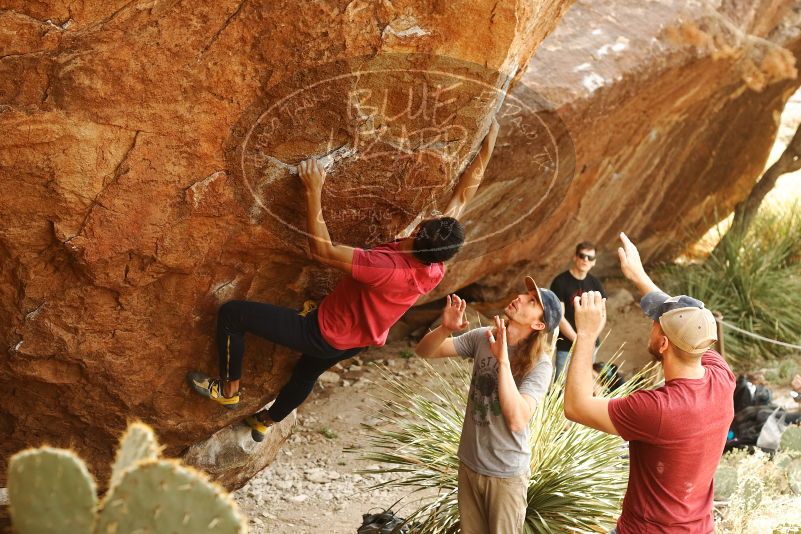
(567, 286)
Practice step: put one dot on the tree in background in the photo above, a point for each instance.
(745, 211)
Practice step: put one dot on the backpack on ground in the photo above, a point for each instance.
(385, 522)
(748, 394)
(748, 423)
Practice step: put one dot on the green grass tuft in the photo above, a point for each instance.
(327, 433)
(406, 353)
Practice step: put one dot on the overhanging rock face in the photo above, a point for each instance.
(672, 108)
(147, 167)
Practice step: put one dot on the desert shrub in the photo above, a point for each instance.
(766, 496)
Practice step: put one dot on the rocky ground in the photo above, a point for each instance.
(314, 482)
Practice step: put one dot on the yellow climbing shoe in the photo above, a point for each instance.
(212, 388)
(258, 430)
(308, 306)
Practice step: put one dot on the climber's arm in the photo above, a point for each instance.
(472, 176)
(322, 249)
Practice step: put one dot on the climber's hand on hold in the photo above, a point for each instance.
(312, 174)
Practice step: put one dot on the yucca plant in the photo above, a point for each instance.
(578, 475)
(754, 281)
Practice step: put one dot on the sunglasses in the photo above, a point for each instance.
(588, 257)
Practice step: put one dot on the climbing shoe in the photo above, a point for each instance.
(212, 388)
(308, 306)
(258, 430)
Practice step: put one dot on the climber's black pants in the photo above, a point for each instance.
(282, 326)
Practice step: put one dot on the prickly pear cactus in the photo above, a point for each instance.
(749, 494)
(791, 439)
(164, 497)
(791, 465)
(50, 490)
(725, 482)
(136, 445)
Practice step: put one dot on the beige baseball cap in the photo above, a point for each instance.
(692, 330)
(686, 322)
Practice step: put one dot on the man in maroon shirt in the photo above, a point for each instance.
(379, 286)
(677, 432)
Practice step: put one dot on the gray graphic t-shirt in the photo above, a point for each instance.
(488, 446)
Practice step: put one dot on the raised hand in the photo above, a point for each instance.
(312, 173)
(630, 262)
(453, 314)
(796, 383)
(497, 341)
(631, 265)
(590, 313)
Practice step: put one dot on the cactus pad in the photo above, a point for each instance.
(792, 469)
(50, 490)
(163, 496)
(725, 482)
(750, 492)
(136, 445)
(791, 439)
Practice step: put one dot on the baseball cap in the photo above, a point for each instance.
(551, 307)
(685, 321)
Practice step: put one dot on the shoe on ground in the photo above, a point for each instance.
(258, 430)
(212, 388)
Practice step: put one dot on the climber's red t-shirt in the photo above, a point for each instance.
(676, 435)
(385, 282)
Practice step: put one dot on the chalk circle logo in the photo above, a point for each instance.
(395, 132)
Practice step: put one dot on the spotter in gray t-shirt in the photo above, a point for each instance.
(487, 445)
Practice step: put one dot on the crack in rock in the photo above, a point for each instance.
(219, 32)
(114, 177)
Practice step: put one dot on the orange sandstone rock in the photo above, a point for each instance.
(147, 169)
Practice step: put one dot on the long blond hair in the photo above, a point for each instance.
(528, 354)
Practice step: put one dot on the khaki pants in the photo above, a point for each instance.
(491, 505)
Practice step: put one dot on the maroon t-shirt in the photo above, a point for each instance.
(676, 435)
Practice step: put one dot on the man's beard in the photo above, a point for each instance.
(654, 352)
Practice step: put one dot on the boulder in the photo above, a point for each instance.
(231, 456)
(5, 513)
(148, 165)
(671, 109)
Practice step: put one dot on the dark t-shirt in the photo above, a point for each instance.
(566, 287)
(676, 435)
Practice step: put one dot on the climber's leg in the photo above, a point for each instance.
(278, 324)
(292, 395)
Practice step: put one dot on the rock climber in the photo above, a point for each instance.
(379, 286)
